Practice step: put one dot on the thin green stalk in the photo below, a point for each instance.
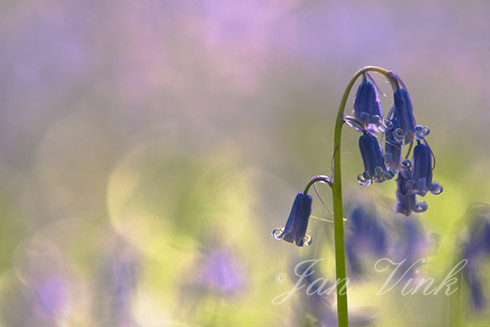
(455, 304)
(336, 185)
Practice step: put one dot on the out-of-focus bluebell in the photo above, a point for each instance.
(475, 250)
(297, 223)
(412, 243)
(39, 266)
(52, 295)
(221, 274)
(367, 236)
(393, 146)
(372, 157)
(316, 299)
(421, 181)
(367, 106)
(118, 281)
(407, 200)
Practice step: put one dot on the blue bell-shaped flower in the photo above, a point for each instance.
(367, 106)
(372, 156)
(297, 223)
(421, 181)
(393, 146)
(403, 113)
(407, 200)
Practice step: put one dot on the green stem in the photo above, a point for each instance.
(455, 297)
(455, 303)
(314, 179)
(342, 313)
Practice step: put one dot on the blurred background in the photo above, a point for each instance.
(149, 148)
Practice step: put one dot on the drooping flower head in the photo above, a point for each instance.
(297, 223)
(372, 156)
(367, 106)
(393, 146)
(421, 181)
(407, 200)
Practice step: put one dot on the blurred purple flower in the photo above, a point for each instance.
(367, 236)
(220, 274)
(411, 245)
(124, 283)
(52, 296)
(118, 281)
(316, 300)
(474, 250)
(297, 223)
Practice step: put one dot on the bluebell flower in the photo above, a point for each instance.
(393, 146)
(221, 274)
(367, 106)
(403, 113)
(52, 295)
(411, 245)
(407, 200)
(475, 249)
(297, 223)
(117, 285)
(421, 181)
(317, 301)
(367, 236)
(372, 156)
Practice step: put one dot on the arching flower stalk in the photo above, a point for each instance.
(399, 129)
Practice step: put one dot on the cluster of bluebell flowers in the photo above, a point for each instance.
(399, 130)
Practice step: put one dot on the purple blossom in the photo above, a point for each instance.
(407, 200)
(52, 295)
(372, 157)
(393, 147)
(474, 250)
(221, 274)
(297, 223)
(367, 106)
(421, 181)
(403, 113)
(367, 236)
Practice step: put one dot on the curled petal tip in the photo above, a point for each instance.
(421, 207)
(363, 180)
(277, 233)
(421, 131)
(305, 241)
(436, 188)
